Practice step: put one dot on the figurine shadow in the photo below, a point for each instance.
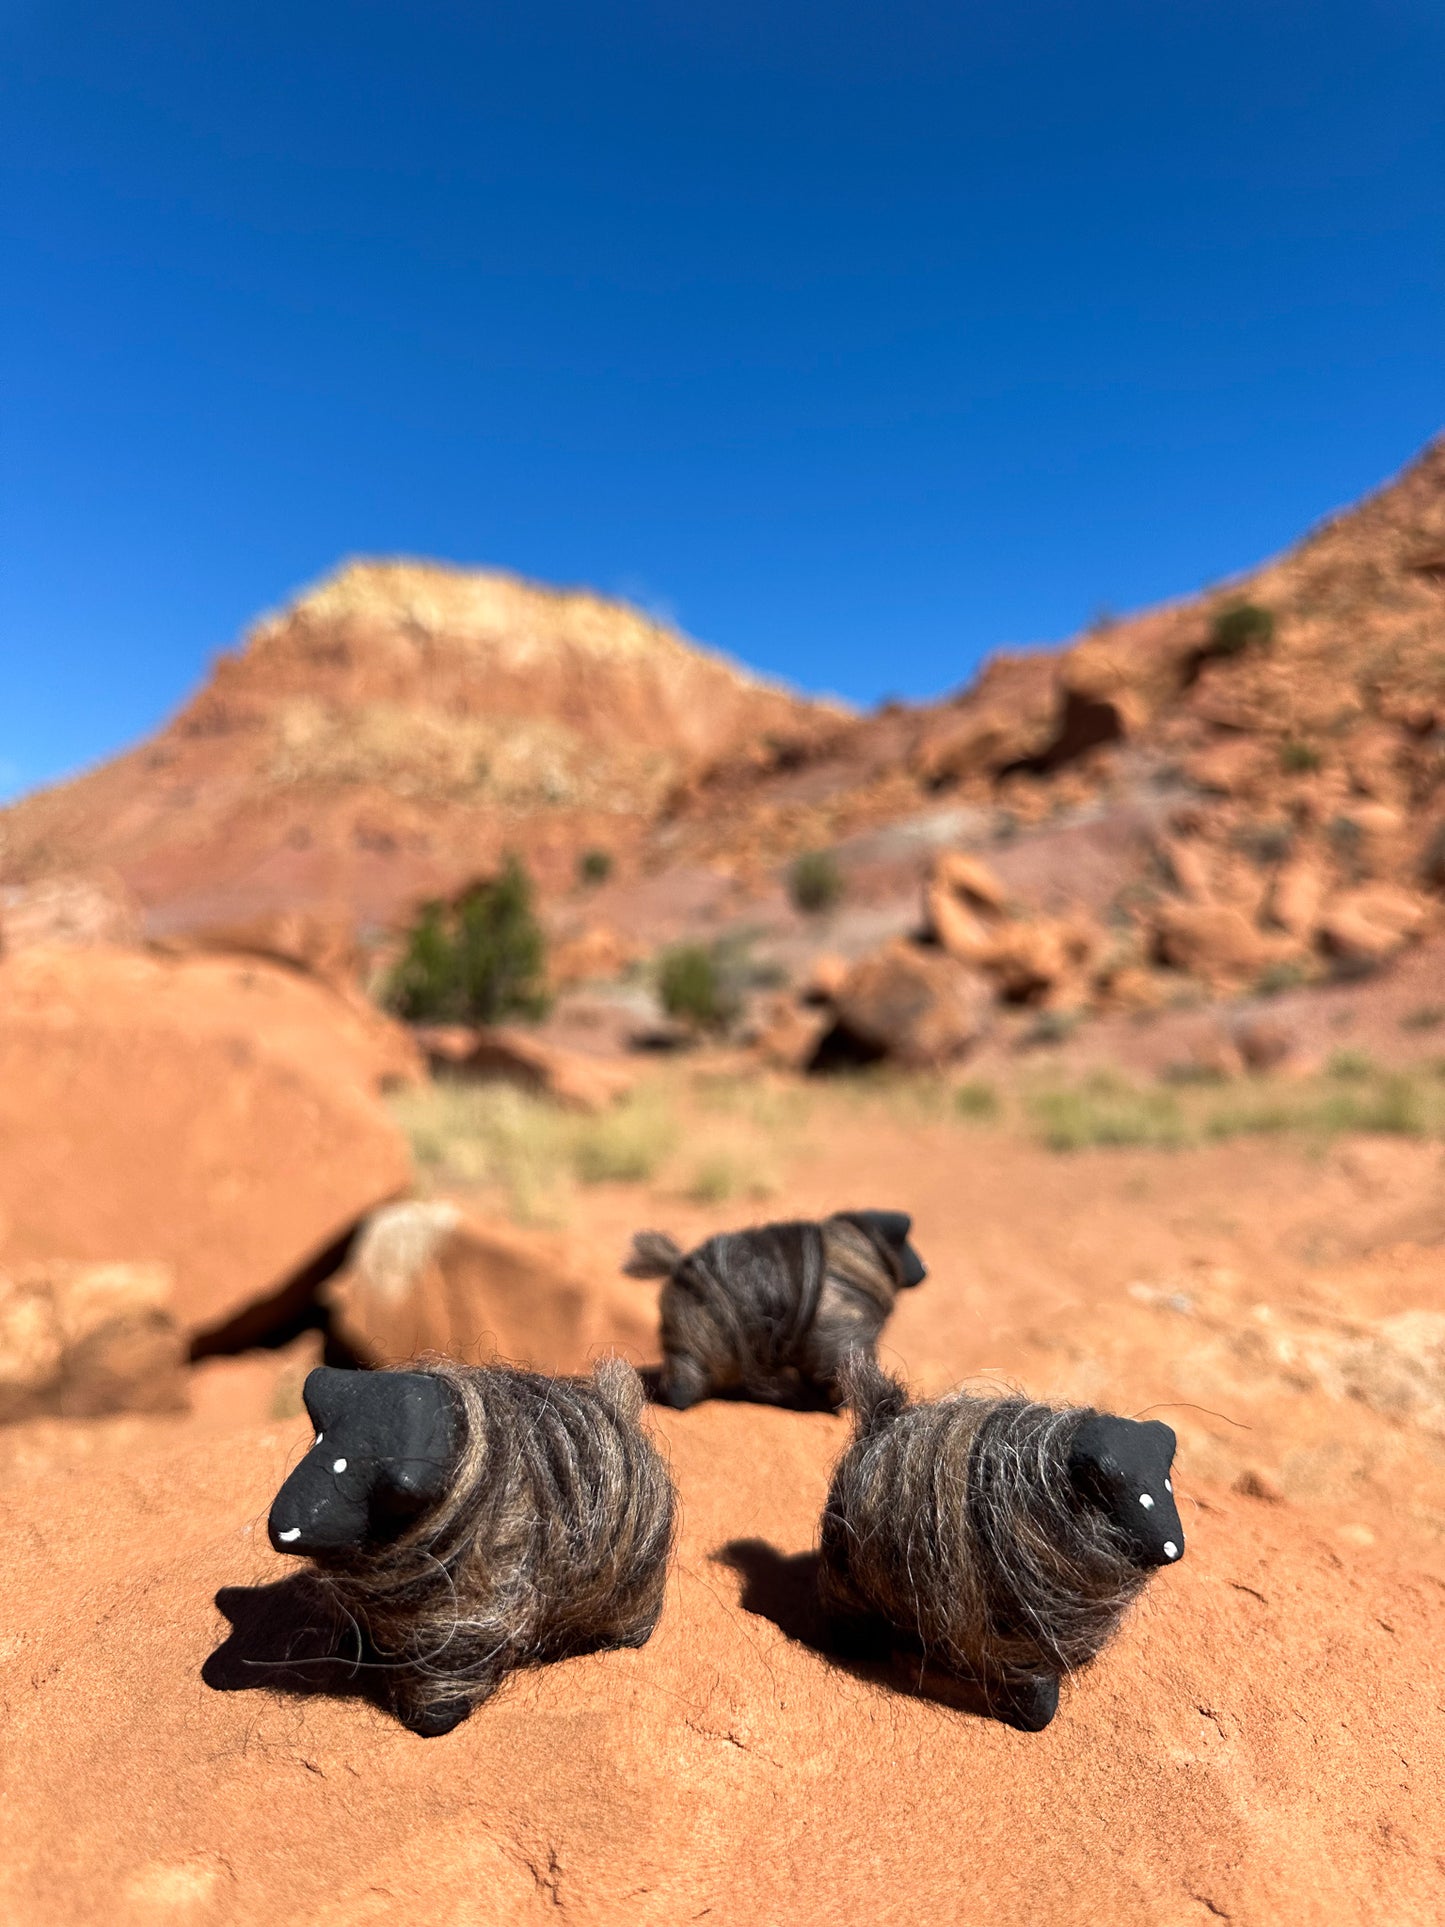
(783, 1588)
(286, 1638)
(798, 1397)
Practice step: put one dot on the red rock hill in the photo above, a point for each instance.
(388, 734)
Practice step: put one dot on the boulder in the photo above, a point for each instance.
(1043, 960)
(503, 1054)
(1189, 866)
(955, 925)
(1217, 941)
(915, 1007)
(220, 1118)
(787, 1032)
(1378, 836)
(968, 878)
(1369, 924)
(82, 1340)
(324, 946)
(425, 1277)
(1226, 768)
(1297, 897)
(826, 977)
(1266, 1043)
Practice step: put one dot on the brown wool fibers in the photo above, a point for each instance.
(994, 1536)
(773, 1312)
(549, 1536)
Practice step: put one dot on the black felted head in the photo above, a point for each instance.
(889, 1231)
(385, 1447)
(1122, 1465)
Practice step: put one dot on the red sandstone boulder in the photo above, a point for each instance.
(916, 1007)
(787, 1032)
(1368, 925)
(1217, 941)
(1298, 895)
(216, 1117)
(503, 1054)
(424, 1277)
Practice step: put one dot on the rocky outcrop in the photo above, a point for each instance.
(1029, 959)
(915, 1007)
(1368, 925)
(217, 1117)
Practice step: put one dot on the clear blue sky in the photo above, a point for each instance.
(861, 338)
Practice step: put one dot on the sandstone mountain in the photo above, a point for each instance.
(388, 734)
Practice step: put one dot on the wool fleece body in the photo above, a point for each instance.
(476, 1520)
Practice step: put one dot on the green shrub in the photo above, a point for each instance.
(697, 987)
(1104, 1111)
(1265, 843)
(474, 961)
(976, 1100)
(1297, 758)
(594, 867)
(815, 883)
(1426, 1017)
(1241, 626)
(1350, 1066)
(1276, 978)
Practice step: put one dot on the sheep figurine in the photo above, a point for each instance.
(772, 1313)
(1003, 1541)
(476, 1520)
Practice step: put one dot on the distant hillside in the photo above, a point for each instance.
(1345, 696)
(388, 734)
(394, 730)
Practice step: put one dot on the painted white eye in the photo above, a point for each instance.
(1171, 1551)
(1146, 1499)
(340, 1466)
(1168, 1485)
(294, 1533)
(316, 1441)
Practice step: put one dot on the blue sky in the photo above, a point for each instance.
(862, 339)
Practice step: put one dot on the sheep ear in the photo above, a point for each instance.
(894, 1226)
(1122, 1466)
(891, 1229)
(385, 1446)
(328, 1394)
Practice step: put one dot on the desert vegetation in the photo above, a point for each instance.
(815, 882)
(475, 960)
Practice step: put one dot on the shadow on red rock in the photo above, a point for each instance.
(285, 1638)
(783, 1588)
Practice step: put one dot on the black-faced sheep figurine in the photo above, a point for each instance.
(773, 1312)
(476, 1520)
(1001, 1540)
